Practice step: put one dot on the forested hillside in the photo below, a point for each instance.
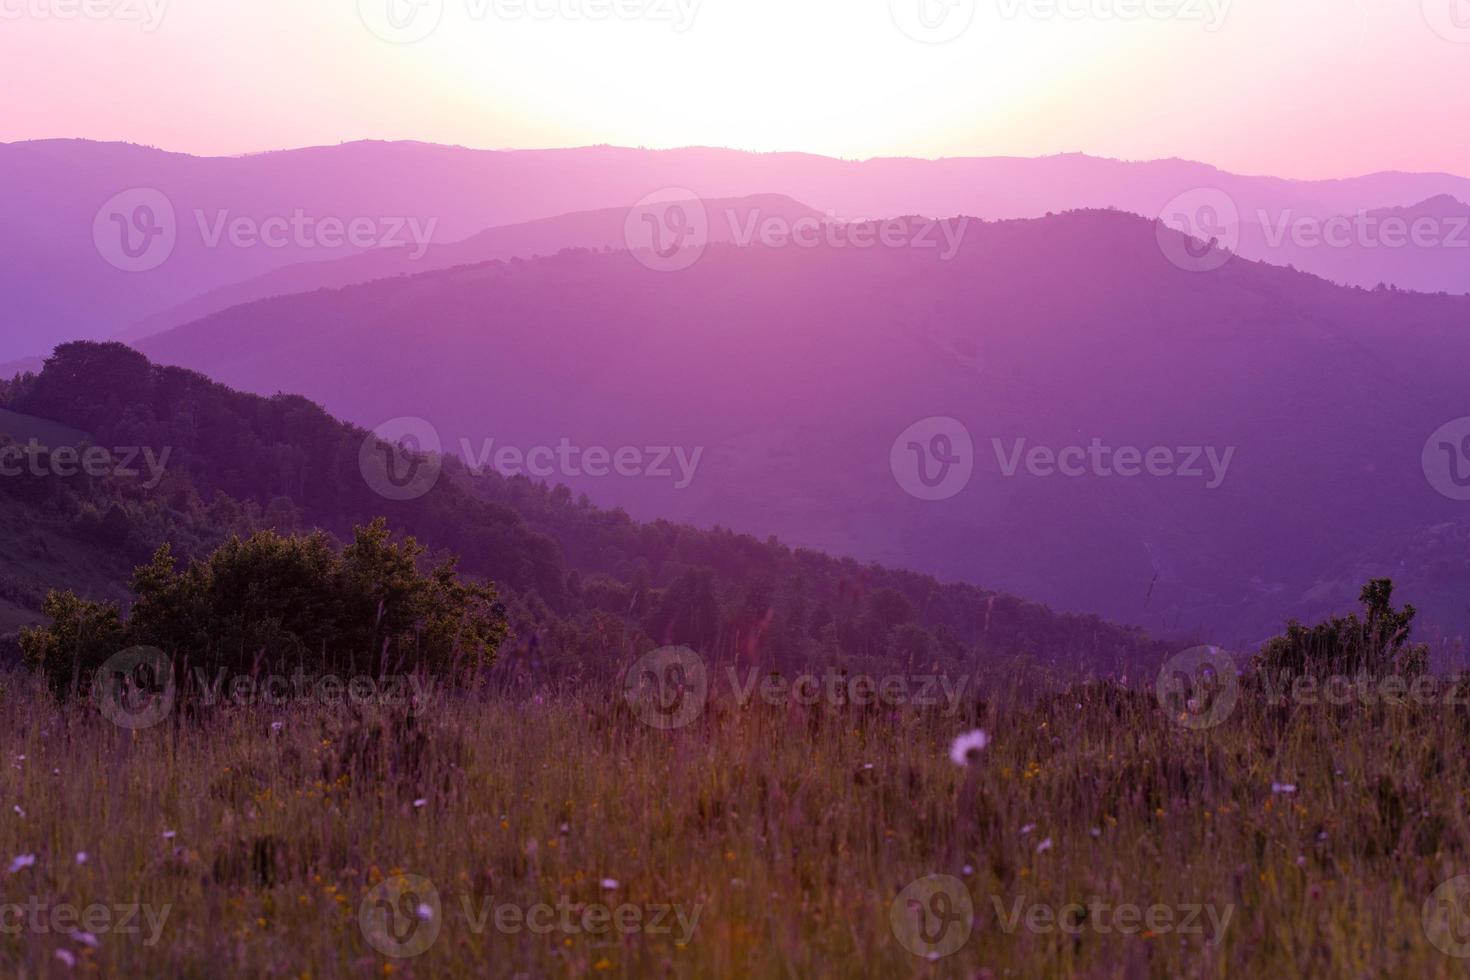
(584, 586)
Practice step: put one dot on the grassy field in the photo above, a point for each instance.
(545, 832)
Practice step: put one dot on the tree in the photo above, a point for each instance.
(1377, 645)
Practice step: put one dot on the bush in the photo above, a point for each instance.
(276, 601)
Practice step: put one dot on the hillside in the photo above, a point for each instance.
(583, 585)
(1425, 247)
(795, 369)
(600, 229)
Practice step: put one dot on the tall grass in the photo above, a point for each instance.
(789, 830)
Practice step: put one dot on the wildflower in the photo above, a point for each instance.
(610, 884)
(81, 857)
(967, 870)
(1096, 831)
(424, 911)
(66, 957)
(1283, 787)
(1044, 846)
(968, 747)
(277, 725)
(85, 938)
(1027, 829)
(18, 811)
(420, 803)
(170, 834)
(21, 862)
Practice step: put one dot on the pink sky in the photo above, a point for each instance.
(1303, 88)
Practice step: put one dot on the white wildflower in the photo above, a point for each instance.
(967, 748)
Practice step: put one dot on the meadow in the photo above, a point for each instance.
(553, 831)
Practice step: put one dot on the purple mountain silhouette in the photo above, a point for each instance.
(588, 229)
(1425, 247)
(793, 372)
(81, 197)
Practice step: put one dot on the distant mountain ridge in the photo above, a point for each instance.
(63, 276)
(1423, 247)
(603, 229)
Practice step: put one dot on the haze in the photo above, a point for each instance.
(1198, 79)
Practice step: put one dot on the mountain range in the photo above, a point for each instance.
(1292, 414)
(200, 224)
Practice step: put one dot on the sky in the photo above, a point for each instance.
(1297, 88)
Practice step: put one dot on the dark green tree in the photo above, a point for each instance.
(1377, 644)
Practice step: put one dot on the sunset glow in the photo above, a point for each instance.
(1134, 79)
